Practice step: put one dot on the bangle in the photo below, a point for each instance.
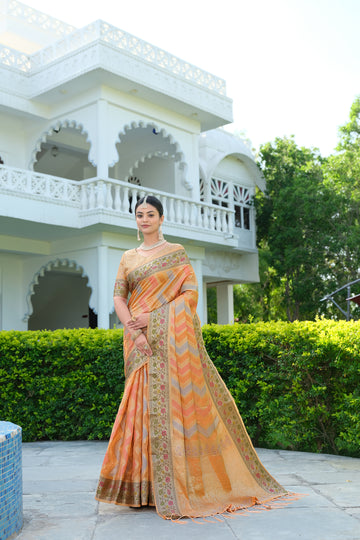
(136, 334)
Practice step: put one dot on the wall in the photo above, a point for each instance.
(12, 142)
(232, 168)
(11, 293)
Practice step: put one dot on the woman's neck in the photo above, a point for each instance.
(150, 240)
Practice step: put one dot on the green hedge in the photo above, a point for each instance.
(62, 384)
(297, 385)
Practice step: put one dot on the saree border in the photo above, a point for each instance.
(163, 262)
(160, 421)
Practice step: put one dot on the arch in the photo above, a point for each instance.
(51, 265)
(217, 144)
(177, 156)
(55, 128)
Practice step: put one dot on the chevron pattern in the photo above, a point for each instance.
(178, 440)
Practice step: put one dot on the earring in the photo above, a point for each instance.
(138, 235)
(161, 236)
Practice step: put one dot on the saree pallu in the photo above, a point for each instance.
(178, 441)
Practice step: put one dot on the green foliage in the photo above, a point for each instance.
(307, 229)
(342, 176)
(211, 305)
(296, 227)
(297, 385)
(264, 301)
(65, 384)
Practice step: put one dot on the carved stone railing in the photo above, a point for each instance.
(14, 59)
(35, 17)
(116, 197)
(40, 186)
(106, 33)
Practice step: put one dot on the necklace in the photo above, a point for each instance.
(147, 248)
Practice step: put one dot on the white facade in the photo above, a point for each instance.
(91, 119)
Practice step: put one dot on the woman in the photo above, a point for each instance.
(178, 441)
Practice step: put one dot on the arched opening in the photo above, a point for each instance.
(60, 299)
(64, 152)
(148, 157)
(230, 186)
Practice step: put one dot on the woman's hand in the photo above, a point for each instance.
(142, 344)
(136, 323)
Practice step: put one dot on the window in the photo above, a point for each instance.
(229, 195)
(242, 207)
(219, 190)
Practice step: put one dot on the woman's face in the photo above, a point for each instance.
(148, 219)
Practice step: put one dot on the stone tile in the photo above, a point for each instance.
(308, 498)
(332, 477)
(153, 527)
(293, 523)
(345, 496)
(105, 509)
(60, 479)
(53, 473)
(60, 505)
(58, 486)
(60, 529)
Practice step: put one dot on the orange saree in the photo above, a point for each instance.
(178, 441)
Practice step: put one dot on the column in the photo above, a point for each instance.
(225, 303)
(103, 310)
(102, 140)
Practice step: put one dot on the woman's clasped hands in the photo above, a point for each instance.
(138, 322)
(142, 344)
(135, 324)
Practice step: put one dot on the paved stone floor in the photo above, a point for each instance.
(59, 481)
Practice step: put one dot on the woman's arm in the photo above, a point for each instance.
(122, 311)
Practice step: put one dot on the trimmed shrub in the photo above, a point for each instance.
(297, 385)
(62, 384)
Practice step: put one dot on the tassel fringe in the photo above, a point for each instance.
(245, 511)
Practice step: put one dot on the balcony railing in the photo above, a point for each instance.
(100, 31)
(114, 196)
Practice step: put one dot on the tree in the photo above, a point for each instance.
(261, 301)
(295, 225)
(342, 176)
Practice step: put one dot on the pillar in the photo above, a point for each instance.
(225, 303)
(102, 140)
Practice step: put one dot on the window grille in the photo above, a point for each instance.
(242, 206)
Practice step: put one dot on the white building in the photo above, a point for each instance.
(90, 119)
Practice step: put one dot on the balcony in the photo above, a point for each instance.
(41, 198)
(101, 54)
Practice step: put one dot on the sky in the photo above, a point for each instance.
(292, 67)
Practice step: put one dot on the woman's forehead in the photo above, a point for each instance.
(146, 209)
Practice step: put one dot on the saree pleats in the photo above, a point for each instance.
(178, 440)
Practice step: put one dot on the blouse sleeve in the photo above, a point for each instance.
(121, 287)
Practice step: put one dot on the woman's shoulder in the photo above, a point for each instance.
(127, 256)
(129, 252)
(176, 246)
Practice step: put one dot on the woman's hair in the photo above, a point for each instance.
(153, 201)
